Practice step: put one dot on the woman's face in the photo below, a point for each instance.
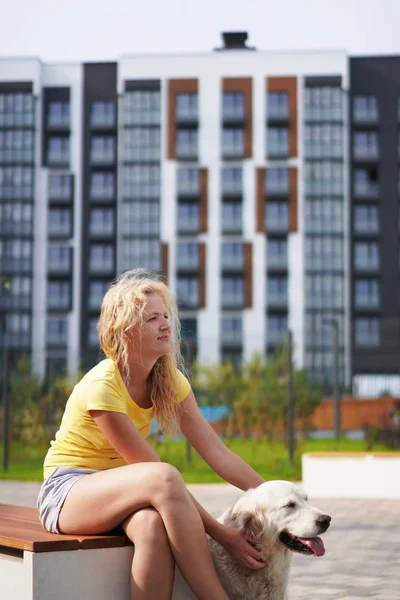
(154, 337)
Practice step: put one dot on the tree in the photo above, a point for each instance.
(26, 418)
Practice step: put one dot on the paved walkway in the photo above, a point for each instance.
(362, 557)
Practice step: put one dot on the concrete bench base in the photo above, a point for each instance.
(352, 475)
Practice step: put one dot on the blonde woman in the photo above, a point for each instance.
(100, 472)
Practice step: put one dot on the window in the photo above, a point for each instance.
(277, 141)
(276, 291)
(325, 292)
(103, 114)
(366, 293)
(188, 217)
(231, 331)
(366, 256)
(16, 146)
(367, 331)
(93, 335)
(366, 145)
(142, 144)
(186, 107)
(60, 186)
(187, 289)
(17, 294)
(102, 221)
(142, 107)
(58, 151)
(232, 292)
(16, 255)
(324, 253)
(233, 106)
(323, 103)
(57, 331)
(97, 291)
(16, 182)
(101, 258)
(324, 216)
(324, 178)
(141, 219)
(277, 255)
(232, 143)
(365, 109)
(17, 327)
(277, 329)
(232, 255)
(277, 105)
(187, 255)
(231, 218)
(366, 183)
(321, 335)
(58, 295)
(102, 186)
(102, 149)
(232, 356)
(59, 259)
(276, 216)
(323, 141)
(58, 115)
(16, 219)
(141, 253)
(277, 180)
(16, 110)
(366, 219)
(188, 181)
(142, 181)
(232, 180)
(186, 144)
(60, 222)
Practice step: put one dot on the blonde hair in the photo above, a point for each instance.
(122, 308)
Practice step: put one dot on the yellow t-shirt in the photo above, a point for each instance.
(80, 442)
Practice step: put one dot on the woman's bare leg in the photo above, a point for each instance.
(101, 501)
(153, 566)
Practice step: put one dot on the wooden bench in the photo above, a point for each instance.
(36, 565)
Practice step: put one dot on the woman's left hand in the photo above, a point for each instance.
(239, 548)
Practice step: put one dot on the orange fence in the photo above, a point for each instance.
(356, 413)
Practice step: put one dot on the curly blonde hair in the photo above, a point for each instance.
(122, 308)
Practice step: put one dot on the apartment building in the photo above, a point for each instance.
(232, 173)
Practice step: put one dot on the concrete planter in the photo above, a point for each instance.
(352, 474)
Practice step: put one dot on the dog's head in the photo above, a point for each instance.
(277, 515)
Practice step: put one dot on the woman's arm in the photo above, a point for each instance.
(205, 441)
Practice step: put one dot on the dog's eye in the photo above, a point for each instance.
(290, 505)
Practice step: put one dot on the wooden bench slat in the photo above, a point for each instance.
(21, 529)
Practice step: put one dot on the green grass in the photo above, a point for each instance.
(26, 463)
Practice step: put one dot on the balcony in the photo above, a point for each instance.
(102, 194)
(15, 339)
(232, 339)
(277, 224)
(278, 151)
(366, 189)
(59, 230)
(366, 302)
(186, 115)
(188, 226)
(142, 155)
(277, 300)
(233, 113)
(58, 159)
(105, 267)
(13, 119)
(230, 263)
(61, 303)
(233, 151)
(276, 337)
(232, 301)
(20, 192)
(277, 112)
(187, 263)
(188, 188)
(102, 157)
(323, 188)
(232, 226)
(9, 156)
(58, 121)
(186, 302)
(366, 117)
(323, 151)
(186, 152)
(9, 265)
(367, 228)
(366, 153)
(367, 265)
(15, 301)
(103, 120)
(277, 262)
(141, 117)
(101, 230)
(61, 266)
(315, 113)
(16, 228)
(59, 339)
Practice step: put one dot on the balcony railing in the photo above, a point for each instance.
(366, 189)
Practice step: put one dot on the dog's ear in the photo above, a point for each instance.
(250, 522)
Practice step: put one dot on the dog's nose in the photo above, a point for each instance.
(324, 521)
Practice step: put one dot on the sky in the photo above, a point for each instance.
(96, 30)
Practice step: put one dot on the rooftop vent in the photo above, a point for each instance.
(235, 40)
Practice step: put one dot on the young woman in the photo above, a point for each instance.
(100, 472)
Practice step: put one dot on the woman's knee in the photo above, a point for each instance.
(168, 483)
(146, 527)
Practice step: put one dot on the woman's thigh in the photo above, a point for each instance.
(101, 501)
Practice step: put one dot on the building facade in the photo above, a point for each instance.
(232, 173)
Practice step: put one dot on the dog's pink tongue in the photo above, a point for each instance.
(315, 544)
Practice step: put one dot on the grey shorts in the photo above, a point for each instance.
(53, 492)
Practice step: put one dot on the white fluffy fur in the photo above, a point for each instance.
(262, 514)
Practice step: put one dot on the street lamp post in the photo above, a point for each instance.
(336, 394)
